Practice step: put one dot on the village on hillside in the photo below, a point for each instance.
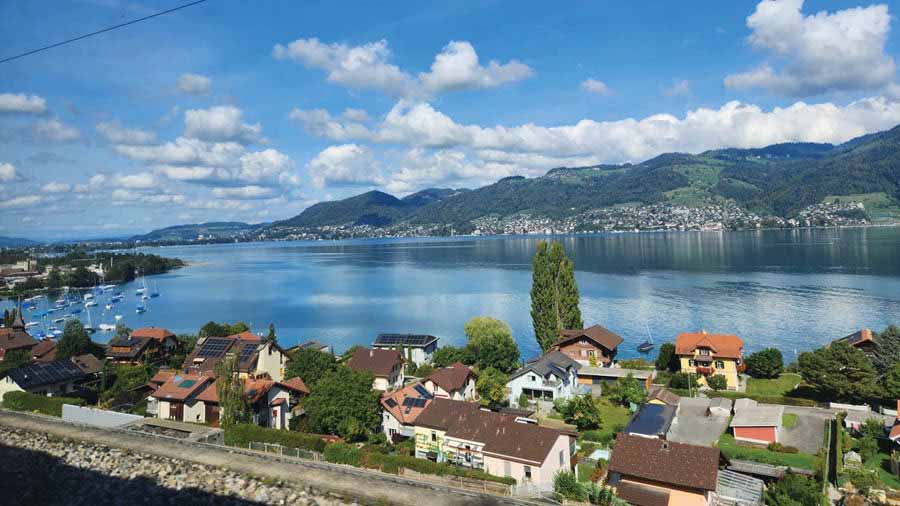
(699, 421)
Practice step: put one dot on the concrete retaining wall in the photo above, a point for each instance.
(97, 417)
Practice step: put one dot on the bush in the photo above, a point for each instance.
(778, 447)
(683, 380)
(523, 400)
(566, 486)
(636, 363)
(342, 453)
(242, 434)
(717, 382)
(767, 363)
(23, 401)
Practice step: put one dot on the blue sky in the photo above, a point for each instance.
(253, 111)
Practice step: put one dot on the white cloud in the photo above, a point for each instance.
(595, 86)
(457, 67)
(114, 132)
(123, 195)
(678, 88)
(21, 201)
(164, 198)
(734, 124)
(55, 130)
(319, 122)
(94, 183)
(225, 205)
(185, 151)
(251, 192)
(819, 53)
(357, 67)
(221, 123)
(56, 187)
(357, 115)
(22, 103)
(8, 172)
(194, 84)
(346, 164)
(139, 181)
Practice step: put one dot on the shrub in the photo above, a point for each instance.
(565, 485)
(242, 434)
(767, 363)
(24, 401)
(683, 380)
(523, 400)
(778, 447)
(717, 382)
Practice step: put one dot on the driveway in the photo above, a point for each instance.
(809, 434)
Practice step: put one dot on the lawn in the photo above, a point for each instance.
(777, 386)
(613, 418)
(789, 420)
(584, 471)
(732, 450)
(889, 479)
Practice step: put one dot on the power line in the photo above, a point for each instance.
(98, 32)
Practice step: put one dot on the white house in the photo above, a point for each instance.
(59, 377)
(550, 377)
(385, 365)
(415, 348)
(455, 382)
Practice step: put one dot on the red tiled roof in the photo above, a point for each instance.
(397, 409)
(895, 432)
(157, 333)
(722, 345)
(665, 462)
(278, 402)
(88, 364)
(600, 335)
(162, 376)
(181, 386)
(15, 338)
(297, 384)
(375, 361)
(44, 351)
(451, 378)
(248, 336)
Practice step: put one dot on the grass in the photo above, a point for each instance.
(612, 419)
(777, 386)
(789, 420)
(879, 206)
(887, 478)
(732, 450)
(584, 471)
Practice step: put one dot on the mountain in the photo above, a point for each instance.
(211, 230)
(16, 242)
(371, 208)
(780, 179)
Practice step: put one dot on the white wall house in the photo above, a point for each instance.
(553, 376)
(415, 348)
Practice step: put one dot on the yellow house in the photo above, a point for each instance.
(429, 443)
(711, 354)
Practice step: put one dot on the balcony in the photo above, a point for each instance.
(705, 370)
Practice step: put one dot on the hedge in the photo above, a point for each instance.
(242, 434)
(342, 453)
(24, 401)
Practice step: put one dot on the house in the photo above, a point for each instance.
(596, 377)
(385, 365)
(311, 345)
(652, 420)
(711, 354)
(550, 377)
(658, 394)
(756, 423)
(254, 356)
(700, 420)
(862, 339)
(44, 350)
(147, 344)
(455, 382)
(401, 408)
(193, 397)
(415, 348)
(59, 377)
(499, 444)
(594, 345)
(15, 337)
(654, 472)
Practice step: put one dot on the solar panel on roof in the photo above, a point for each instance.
(421, 390)
(246, 352)
(420, 403)
(391, 403)
(214, 348)
(403, 339)
(409, 401)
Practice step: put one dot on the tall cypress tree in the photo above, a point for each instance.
(543, 300)
(554, 294)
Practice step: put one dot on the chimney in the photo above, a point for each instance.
(371, 353)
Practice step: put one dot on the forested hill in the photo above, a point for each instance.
(780, 179)
(212, 230)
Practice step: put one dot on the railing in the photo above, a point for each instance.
(704, 370)
(285, 451)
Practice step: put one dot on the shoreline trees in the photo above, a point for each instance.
(554, 294)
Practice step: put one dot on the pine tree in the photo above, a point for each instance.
(543, 300)
(567, 291)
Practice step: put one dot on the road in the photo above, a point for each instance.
(342, 480)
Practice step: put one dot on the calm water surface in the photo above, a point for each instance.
(791, 289)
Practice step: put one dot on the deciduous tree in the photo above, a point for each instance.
(767, 363)
(233, 408)
(666, 360)
(448, 355)
(310, 366)
(76, 341)
(340, 396)
(491, 344)
(491, 386)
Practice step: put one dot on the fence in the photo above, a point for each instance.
(97, 417)
(285, 451)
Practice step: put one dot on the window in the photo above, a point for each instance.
(528, 473)
(690, 362)
(720, 364)
(562, 459)
(506, 468)
(433, 436)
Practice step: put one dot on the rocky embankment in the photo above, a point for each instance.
(39, 469)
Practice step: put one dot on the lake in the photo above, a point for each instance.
(792, 289)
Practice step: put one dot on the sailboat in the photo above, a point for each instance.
(155, 292)
(89, 328)
(647, 345)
